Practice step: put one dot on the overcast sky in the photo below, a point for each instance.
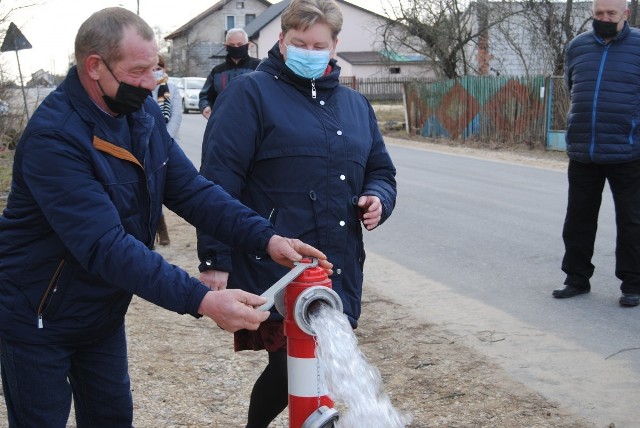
(51, 26)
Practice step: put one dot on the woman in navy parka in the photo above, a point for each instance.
(304, 152)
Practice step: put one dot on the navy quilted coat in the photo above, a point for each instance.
(604, 80)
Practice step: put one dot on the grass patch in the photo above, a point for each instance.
(389, 112)
(6, 166)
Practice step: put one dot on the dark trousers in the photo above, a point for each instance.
(39, 380)
(586, 182)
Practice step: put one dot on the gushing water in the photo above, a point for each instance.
(350, 379)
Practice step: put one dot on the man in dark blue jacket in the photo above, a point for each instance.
(602, 70)
(236, 62)
(91, 173)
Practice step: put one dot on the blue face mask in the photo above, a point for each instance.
(307, 63)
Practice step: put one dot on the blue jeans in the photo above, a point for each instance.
(39, 381)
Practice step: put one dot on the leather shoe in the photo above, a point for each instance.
(629, 299)
(569, 291)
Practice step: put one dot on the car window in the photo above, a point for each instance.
(195, 83)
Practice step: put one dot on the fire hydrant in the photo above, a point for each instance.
(294, 296)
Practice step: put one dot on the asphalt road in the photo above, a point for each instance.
(475, 246)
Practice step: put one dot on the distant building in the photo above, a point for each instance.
(198, 45)
(360, 51)
(383, 64)
(42, 78)
(515, 47)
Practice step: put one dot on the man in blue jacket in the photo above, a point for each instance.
(602, 70)
(91, 173)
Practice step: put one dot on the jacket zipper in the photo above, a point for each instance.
(313, 89)
(603, 60)
(48, 295)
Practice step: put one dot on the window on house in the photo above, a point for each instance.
(248, 18)
(231, 22)
(394, 70)
(240, 5)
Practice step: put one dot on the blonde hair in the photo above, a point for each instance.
(302, 14)
(102, 33)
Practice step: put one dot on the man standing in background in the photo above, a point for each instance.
(236, 62)
(602, 71)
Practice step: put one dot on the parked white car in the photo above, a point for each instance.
(4, 108)
(190, 89)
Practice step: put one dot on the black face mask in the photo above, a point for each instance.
(238, 52)
(128, 98)
(604, 29)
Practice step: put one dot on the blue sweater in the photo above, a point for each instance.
(82, 214)
(604, 80)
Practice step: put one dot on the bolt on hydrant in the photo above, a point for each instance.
(294, 295)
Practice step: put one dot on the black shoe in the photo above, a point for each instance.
(569, 291)
(629, 299)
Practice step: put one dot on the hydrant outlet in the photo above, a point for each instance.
(308, 300)
(323, 417)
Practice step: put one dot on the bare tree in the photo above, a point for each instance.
(482, 37)
(442, 31)
(557, 24)
(633, 15)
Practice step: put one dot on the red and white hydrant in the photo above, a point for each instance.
(294, 296)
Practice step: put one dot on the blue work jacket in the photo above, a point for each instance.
(82, 214)
(300, 152)
(604, 81)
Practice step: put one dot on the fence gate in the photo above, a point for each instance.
(557, 110)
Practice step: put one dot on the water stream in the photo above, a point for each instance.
(350, 379)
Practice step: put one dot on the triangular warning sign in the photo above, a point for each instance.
(14, 40)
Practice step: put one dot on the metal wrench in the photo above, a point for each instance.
(276, 288)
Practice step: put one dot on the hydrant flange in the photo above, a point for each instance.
(305, 302)
(323, 417)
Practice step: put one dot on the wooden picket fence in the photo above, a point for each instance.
(379, 88)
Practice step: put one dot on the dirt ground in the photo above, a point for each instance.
(185, 373)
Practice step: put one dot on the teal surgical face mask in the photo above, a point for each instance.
(307, 63)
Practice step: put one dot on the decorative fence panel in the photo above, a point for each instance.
(486, 108)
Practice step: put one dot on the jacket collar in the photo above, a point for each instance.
(240, 63)
(100, 121)
(626, 29)
(274, 64)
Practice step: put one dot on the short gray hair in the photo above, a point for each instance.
(236, 31)
(102, 33)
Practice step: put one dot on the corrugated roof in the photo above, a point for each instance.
(218, 50)
(374, 57)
